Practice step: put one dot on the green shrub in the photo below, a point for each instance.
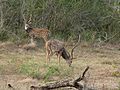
(51, 71)
(64, 18)
(30, 69)
(3, 36)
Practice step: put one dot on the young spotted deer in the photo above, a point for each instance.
(57, 47)
(36, 32)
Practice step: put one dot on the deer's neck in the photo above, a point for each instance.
(28, 29)
(65, 54)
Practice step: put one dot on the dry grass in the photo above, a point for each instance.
(24, 68)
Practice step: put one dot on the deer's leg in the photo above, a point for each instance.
(45, 38)
(50, 50)
(56, 53)
(59, 58)
(59, 55)
(47, 56)
(32, 38)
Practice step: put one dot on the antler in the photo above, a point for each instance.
(29, 21)
(75, 46)
(24, 18)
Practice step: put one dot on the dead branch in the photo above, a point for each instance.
(64, 83)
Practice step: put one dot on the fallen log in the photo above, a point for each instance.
(64, 83)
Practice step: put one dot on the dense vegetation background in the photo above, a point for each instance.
(96, 20)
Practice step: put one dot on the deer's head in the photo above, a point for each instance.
(27, 26)
(27, 23)
(69, 56)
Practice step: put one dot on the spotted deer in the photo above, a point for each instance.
(57, 47)
(36, 32)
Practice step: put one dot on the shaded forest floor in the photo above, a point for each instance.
(23, 68)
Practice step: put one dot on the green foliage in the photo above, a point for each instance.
(3, 36)
(31, 69)
(51, 71)
(64, 18)
(116, 74)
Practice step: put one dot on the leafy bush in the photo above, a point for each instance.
(64, 18)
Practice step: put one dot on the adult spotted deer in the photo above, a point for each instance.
(57, 47)
(36, 32)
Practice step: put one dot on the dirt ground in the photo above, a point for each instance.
(104, 62)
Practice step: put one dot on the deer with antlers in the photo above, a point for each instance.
(57, 47)
(36, 32)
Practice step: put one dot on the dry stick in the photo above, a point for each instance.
(64, 83)
(76, 84)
